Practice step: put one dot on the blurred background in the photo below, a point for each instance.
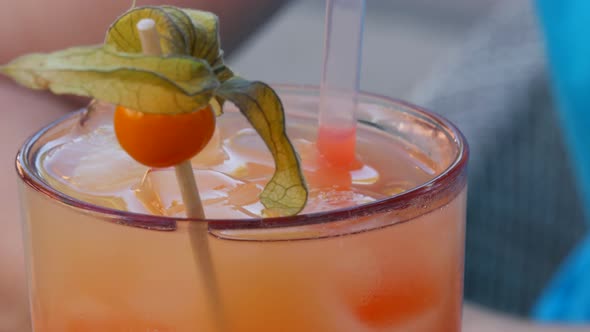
(404, 40)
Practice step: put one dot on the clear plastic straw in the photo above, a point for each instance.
(340, 80)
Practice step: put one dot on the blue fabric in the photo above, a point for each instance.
(568, 296)
(566, 25)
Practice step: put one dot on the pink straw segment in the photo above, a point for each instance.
(339, 87)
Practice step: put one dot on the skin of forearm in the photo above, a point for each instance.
(478, 319)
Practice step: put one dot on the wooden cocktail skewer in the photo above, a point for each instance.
(198, 231)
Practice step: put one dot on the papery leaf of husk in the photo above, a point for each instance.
(148, 84)
(286, 192)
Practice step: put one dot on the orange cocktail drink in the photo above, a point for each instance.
(378, 247)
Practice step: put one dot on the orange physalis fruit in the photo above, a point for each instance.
(163, 140)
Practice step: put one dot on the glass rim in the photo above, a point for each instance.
(437, 184)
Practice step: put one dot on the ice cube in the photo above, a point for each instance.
(247, 145)
(102, 165)
(92, 168)
(331, 199)
(244, 194)
(97, 114)
(222, 196)
(248, 157)
(213, 154)
(92, 163)
(309, 154)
